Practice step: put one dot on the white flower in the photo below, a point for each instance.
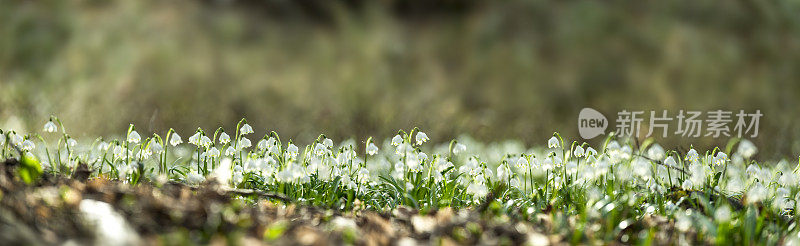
(687, 184)
(262, 144)
(194, 178)
(397, 140)
(291, 151)
(692, 155)
(421, 138)
(522, 163)
(747, 149)
(756, 193)
(205, 141)
(28, 145)
(372, 149)
(16, 138)
(50, 127)
(670, 162)
(230, 151)
(327, 142)
(459, 148)
(195, 139)
(246, 129)
(71, 142)
(477, 189)
(655, 152)
(224, 138)
(134, 137)
(553, 142)
(213, 152)
(723, 213)
(175, 139)
(156, 146)
(720, 158)
(244, 143)
(579, 151)
(591, 151)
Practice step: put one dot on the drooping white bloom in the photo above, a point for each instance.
(655, 152)
(213, 152)
(397, 140)
(723, 213)
(756, 193)
(205, 141)
(522, 163)
(579, 151)
(458, 148)
(175, 139)
(720, 158)
(246, 129)
(195, 139)
(134, 137)
(503, 173)
(28, 145)
(244, 143)
(71, 142)
(670, 162)
(262, 144)
(477, 189)
(421, 138)
(372, 149)
(553, 143)
(230, 151)
(156, 147)
(687, 184)
(747, 149)
(591, 151)
(224, 138)
(194, 178)
(291, 151)
(50, 127)
(327, 142)
(692, 156)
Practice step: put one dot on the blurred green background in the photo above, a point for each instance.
(491, 69)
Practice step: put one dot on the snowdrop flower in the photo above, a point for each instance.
(50, 127)
(477, 189)
(194, 178)
(656, 152)
(720, 158)
(246, 129)
(579, 151)
(230, 151)
(156, 146)
(553, 143)
(71, 142)
(747, 149)
(327, 142)
(175, 139)
(692, 156)
(756, 193)
(421, 138)
(195, 139)
(503, 173)
(372, 149)
(134, 137)
(28, 145)
(753, 170)
(670, 162)
(291, 151)
(397, 140)
(591, 151)
(262, 144)
(687, 184)
(213, 152)
(723, 213)
(244, 143)
(224, 138)
(522, 163)
(458, 148)
(205, 141)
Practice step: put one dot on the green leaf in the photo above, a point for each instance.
(29, 169)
